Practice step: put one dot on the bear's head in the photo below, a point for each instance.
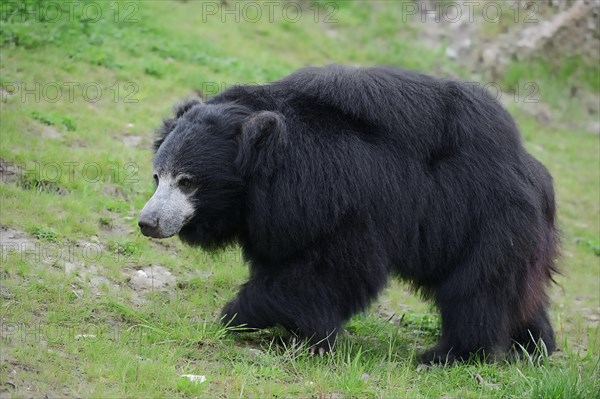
(203, 159)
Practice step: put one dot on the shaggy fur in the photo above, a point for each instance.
(332, 179)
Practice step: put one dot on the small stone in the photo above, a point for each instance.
(255, 352)
(152, 278)
(451, 53)
(132, 141)
(85, 336)
(71, 268)
(196, 379)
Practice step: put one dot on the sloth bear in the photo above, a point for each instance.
(332, 179)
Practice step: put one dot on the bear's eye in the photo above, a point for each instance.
(155, 180)
(185, 183)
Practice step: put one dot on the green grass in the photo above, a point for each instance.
(89, 334)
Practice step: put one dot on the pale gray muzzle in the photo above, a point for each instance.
(167, 211)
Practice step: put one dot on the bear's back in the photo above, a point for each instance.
(409, 111)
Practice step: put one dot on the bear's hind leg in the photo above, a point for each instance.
(475, 320)
(528, 335)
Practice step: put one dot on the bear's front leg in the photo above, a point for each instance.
(312, 295)
(314, 292)
(244, 310)
(308, 311)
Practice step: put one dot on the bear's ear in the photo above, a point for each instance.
(169, 124)
(263, 137)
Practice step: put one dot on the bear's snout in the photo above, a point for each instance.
(149, 225)
(167, 211)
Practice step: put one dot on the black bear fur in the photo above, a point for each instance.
(332, 179)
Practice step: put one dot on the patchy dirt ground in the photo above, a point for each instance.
(140, 279)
